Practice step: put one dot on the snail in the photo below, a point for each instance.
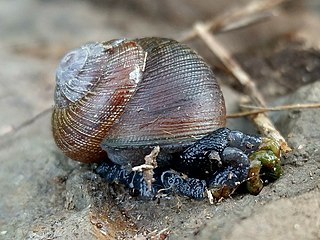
(116, 100)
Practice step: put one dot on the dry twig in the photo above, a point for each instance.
(252, 13)
(249, 14)
(226, 58)
(148, 166)
(261, 120)
(271, 109)
(27, 122)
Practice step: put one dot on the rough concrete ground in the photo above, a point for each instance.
(46, 196)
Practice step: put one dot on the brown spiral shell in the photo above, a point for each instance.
(142, 92)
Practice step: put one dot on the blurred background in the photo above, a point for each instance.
(44, 196)
(36, 33)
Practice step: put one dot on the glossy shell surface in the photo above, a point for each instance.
(125, 93)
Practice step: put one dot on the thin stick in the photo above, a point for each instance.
(261, 120)
(253, 12)
(226, 58)
(257, 110)
(247, 21)
(27, 122)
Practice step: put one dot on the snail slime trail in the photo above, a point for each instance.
(116, 100)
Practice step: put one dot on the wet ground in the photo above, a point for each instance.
(46, 196)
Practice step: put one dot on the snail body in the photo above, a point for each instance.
(119, 99)
(133, 94)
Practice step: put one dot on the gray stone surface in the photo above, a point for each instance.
(43, 195)
(277, 211)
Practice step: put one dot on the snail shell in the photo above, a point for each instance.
(133, 93)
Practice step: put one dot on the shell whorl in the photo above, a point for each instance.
(84, 107)
(122, 93)
(177, 102)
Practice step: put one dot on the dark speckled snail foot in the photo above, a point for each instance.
(218, 161)
(190, 187)
(119, 99)
(168, 182)
(112, 172)
(216, 150)
(234, 169)
(233, 172)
